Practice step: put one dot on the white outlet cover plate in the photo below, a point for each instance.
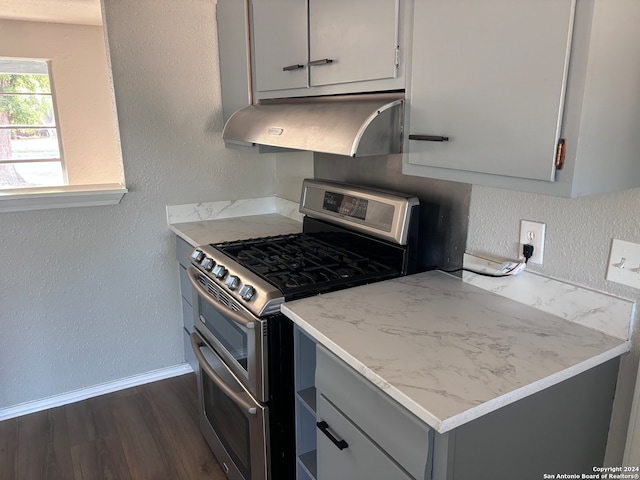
(624, 263)
(533, 233)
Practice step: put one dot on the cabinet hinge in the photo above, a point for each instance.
(561, 151)
(397, 60)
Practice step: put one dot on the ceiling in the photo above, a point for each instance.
(84, 12)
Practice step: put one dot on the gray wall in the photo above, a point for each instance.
(578, 238)
(90, 295)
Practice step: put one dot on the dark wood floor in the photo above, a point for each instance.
(145, 432)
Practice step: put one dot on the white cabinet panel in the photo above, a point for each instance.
(491, 76)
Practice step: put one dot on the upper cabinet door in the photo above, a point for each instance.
(280, 30)
(490, 75)
(353, 41)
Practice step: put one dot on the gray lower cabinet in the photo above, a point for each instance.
(347, 449)
(383, 441)
(183, 251)
(561, 429)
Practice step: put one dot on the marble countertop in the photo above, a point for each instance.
(204, 223)
(225, 229)
(449, 351)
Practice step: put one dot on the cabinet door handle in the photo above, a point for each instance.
(429, 138)
(324, 61)
(288, 68)
(338, 442)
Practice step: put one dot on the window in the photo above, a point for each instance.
(30, 152)
(57, 117)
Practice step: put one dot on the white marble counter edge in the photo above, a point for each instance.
(447, 424)
(199, 212)
(597, 310)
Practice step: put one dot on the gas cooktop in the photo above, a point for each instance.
(299, 264)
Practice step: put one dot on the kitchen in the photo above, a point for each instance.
(164, 61)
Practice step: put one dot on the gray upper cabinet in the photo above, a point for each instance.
(358, 37)
(498, 88)
(315, 44)
(281, 54)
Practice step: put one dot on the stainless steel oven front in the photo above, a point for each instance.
(236, 335)
(234, 424)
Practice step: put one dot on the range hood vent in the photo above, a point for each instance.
(352, 125)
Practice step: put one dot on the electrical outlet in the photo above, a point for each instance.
(533, 233)
(624, 263)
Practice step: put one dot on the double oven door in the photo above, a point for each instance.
(231, 349)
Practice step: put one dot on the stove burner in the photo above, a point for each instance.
(299, 263)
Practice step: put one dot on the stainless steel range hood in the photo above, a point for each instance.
(352, 125)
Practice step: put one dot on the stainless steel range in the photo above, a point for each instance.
(351, 236)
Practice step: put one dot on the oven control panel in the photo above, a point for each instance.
(256, 295)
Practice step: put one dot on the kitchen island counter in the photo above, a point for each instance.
(446, 350)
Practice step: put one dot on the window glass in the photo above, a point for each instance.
(30, 153)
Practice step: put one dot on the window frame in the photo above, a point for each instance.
(60, 159)
(80, 74)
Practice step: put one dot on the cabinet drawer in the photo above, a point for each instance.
(189, 356)
(183, 251)
(185, 287)
(187, 316)
(394, 428)
(361, 459)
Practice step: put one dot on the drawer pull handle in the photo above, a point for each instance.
(338, 442)
(288, 68)
(323, 61)
(429, 138)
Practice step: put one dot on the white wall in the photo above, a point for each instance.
(90, 295)
(80, 80)
(578, 238)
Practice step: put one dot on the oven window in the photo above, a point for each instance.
(232, 336)
(230, 424)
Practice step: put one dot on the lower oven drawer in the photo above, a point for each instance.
(231, 420)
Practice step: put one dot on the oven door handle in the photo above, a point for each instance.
(196, 343)
(238, 317)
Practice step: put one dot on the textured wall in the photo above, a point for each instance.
(90, 295)
(578, 239)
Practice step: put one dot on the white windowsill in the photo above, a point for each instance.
(41, 198)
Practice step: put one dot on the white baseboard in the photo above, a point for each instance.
(97, 390)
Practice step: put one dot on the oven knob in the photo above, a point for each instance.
(219, 271)
(232, 282)
(197, 256)
(208, 264)
(247, 292)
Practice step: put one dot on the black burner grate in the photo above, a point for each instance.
(302, 264)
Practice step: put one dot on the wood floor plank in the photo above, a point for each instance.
(9, 448)
(43, 446)
(176, 423)
(144, 459)
(147, 432)
(89, 420)
(32, 430)
(58, 451)
(100, 459)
